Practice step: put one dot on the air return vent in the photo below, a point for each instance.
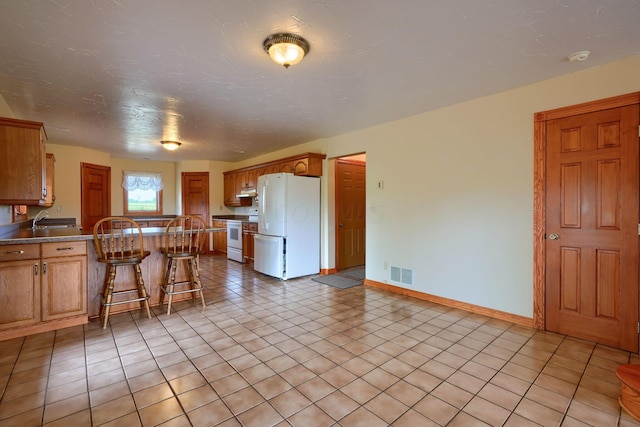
(402, 276)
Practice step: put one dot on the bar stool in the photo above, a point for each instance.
(183, 240)
(118, 242)
(629, 376)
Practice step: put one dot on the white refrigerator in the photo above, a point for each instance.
(287, 244)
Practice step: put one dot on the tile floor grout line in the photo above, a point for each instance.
(306, 315)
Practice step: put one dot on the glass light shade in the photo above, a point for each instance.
(170, 145)
(286, 54)
(286, 49)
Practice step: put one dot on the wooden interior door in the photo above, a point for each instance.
(195, 195)
(95, 194)
(350, 213)
(592, 226)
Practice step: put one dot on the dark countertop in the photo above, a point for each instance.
(27, 235)
(243, 218)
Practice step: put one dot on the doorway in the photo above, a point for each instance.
(586, 214)
(195, 195)
(350, 210)
(95, 194)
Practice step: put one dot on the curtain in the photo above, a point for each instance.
(132, 181)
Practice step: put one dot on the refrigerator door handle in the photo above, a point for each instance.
(263, 206)
(262, 219)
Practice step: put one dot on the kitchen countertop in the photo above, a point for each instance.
(27, 235)
(243, 218)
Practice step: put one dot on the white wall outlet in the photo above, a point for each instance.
(380, 185)
(59, 208)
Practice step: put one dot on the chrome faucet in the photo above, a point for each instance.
(40, 216)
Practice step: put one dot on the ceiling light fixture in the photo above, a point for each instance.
(286, 49)
(170, 145)
(579, 56)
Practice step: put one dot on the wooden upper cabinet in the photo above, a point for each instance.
(50, 168)
(230, 198)
(308, 164)
(247, 180)
(22, 162)
(287, 167)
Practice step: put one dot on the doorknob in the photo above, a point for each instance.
(553, 236)
(340, 225)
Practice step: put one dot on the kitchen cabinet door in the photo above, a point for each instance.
(64, 279)
(22, 163)
(50, 168)
(230, 191)
(220, 237)
(19, 293)
(64, 289)
(249, 229)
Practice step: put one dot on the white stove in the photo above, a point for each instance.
(234, 240)
(253, 214)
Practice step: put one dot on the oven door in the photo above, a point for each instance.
(234, 241)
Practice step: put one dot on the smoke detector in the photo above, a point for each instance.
(579, 56)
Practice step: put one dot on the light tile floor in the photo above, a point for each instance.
(266, 352)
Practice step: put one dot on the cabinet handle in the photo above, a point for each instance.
(44, 268)
(35, 269)
(65, 249)
(20, 252)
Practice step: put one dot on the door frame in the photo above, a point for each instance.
(183, 175)
(540, 185)
(345, 159)
(107, 169)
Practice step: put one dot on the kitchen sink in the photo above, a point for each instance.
(51, 223)
(46, 227)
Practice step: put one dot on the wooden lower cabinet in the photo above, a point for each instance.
(220, 237)
(43, 291)
(157, 223)
(249, 229)
(64, 280)
(19, 293)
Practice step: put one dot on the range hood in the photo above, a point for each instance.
(247, 192)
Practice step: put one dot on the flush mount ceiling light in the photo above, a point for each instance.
(579, 56)
(170, 145)
(286, 49)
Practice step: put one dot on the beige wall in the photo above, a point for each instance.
(167, 169)
(216, 189)
(457, 203)
(67, 178)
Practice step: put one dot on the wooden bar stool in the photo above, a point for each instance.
(629, 376)
(119, 243)
(183, 240)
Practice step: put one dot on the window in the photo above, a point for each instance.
(142, 192)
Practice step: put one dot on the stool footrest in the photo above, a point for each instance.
(109, 304)
(185, 291)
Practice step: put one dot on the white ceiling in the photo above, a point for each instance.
(121, 75)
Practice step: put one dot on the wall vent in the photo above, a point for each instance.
(402, 276)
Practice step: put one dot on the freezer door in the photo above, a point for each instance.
(268, 252)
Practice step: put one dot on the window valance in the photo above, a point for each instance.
(133, 180)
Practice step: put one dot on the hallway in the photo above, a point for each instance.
(266, 352)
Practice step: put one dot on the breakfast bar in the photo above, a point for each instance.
(52, 278)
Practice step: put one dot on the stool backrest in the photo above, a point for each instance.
(184, 235)
(118, 238)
